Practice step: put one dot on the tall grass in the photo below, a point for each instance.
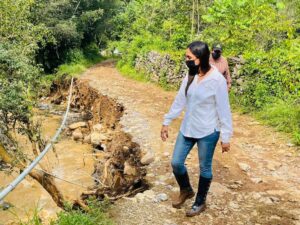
(284, 116)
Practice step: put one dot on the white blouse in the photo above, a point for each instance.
(207, 107)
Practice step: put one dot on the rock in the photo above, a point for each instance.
(186, 223)
(256, 180)
(273, 165)
(125, 148)
(288, 154)
(239, 197)
(77, 135)
(87, 139)
(254, 213)
(162, 178)
(218, 189)
(140, 197)
(175, 189)
(238, 182)
(256, 195)
(150, 175)
(161, 198)
(266, 200)
(276, 192)
(147, 159)
(74, 126)
(5, 205)
(104, 147)
(149, 194)
(129, 170)
(158, 183)
(97, 127)
(274, 199)
(43, 106)
(234, 205)
(169, 187)
(167, 154)
(97, 138)
(275, 217)
(240, 81)
(290, 144)
(234, 186)
(244, 167)
(252, 123)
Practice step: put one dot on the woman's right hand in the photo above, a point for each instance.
(164, 133)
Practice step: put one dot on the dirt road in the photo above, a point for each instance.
(258, 182)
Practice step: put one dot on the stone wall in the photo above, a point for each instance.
(162, 69)
(238, 78)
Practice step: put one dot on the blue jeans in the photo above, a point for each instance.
(206, 148)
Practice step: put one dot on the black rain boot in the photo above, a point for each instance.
(186, 190)
(199, 205)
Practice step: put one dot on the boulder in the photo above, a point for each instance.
(97, 127)
(77, 135)
(74, 126)
(147, 159)
(129, 170)
(87, 139)
(244, 167)
(97, 138)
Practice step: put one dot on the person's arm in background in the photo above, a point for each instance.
(228, 77)
(224, 114)
(175, 110)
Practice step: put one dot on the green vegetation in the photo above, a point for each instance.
(285, 116)
(41, 41)
(132, 73)
(77, 61)
(96, 215)
(264, 33)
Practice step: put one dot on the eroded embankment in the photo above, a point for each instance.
(118, 170)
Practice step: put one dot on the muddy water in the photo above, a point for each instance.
(70, 161)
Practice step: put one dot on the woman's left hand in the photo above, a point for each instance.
(225, 147)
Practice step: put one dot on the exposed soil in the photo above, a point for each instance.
(73, 158)
(256, 183)
(117, 147)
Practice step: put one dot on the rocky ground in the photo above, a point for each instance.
(257, 182)
(115, 122)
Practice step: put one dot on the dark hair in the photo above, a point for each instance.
(201, 51)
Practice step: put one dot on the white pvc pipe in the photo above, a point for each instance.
(13, 184)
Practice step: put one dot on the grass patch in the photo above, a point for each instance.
(74, 69)
(130, 72)
(284, 116)
(97, 215)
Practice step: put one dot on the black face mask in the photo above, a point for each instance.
(216, 55)
(193, 68)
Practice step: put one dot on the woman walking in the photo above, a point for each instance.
(203, 93)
